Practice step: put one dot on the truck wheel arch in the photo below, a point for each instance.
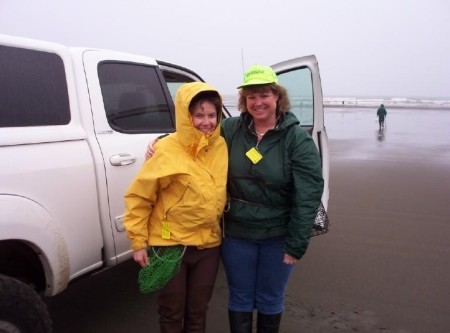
(27, 226)
(20, 261)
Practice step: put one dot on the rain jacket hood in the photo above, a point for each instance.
(179, 194)
(190, 137)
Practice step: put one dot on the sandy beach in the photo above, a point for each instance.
(383, 267)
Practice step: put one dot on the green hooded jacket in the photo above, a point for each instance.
(381, 112)
(280, 194)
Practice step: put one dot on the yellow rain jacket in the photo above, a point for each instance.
(179, 194)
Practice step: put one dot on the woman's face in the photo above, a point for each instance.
(262, 106)
(204, 117)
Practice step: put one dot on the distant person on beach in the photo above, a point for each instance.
(176, 201)
(275, 185)
(381, 113)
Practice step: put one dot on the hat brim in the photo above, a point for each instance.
(255, 83)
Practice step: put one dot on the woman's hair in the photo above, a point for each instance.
(210, 96)
(283, 104)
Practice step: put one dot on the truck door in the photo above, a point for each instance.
(301, 78)
(131, 101)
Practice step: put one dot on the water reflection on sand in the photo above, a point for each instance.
(412, 134)
(387, 250)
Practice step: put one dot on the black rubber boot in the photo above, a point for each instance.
(268, 323)
(240, 322)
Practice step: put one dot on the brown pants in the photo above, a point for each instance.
(183, 302)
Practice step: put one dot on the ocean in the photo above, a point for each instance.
(416, 129)
(366, 102)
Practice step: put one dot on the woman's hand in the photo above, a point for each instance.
(150, 149)
(289, 260)
(141, 257)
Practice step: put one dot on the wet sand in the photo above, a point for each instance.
(383, 267)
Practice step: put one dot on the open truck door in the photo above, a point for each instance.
(301, 78)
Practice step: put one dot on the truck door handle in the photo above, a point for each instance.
(122, 159)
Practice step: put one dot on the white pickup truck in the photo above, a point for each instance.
(74, 125)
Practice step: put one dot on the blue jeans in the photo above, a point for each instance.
(256, 274)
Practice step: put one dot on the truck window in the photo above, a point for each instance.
(134, 98)
(174, 81)
(300, 90)
(33, 88)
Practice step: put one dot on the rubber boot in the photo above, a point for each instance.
(268, 323)
(240, 322)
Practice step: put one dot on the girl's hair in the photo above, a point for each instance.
(210, 96)
(283, 104)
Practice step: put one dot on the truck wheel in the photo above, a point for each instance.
(21, 308)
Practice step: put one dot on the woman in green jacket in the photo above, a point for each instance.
(274, 186)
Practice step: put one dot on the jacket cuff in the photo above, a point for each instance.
(136, 246)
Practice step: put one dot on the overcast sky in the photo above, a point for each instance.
(398, 48)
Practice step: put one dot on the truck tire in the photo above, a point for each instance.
(21, 309)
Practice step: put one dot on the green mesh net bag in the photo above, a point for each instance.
(165, 262)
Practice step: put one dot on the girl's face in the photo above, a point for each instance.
(262, 105)
(204, 117)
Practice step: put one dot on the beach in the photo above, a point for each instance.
(383, 267)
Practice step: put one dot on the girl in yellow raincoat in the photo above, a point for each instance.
(177, 198)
